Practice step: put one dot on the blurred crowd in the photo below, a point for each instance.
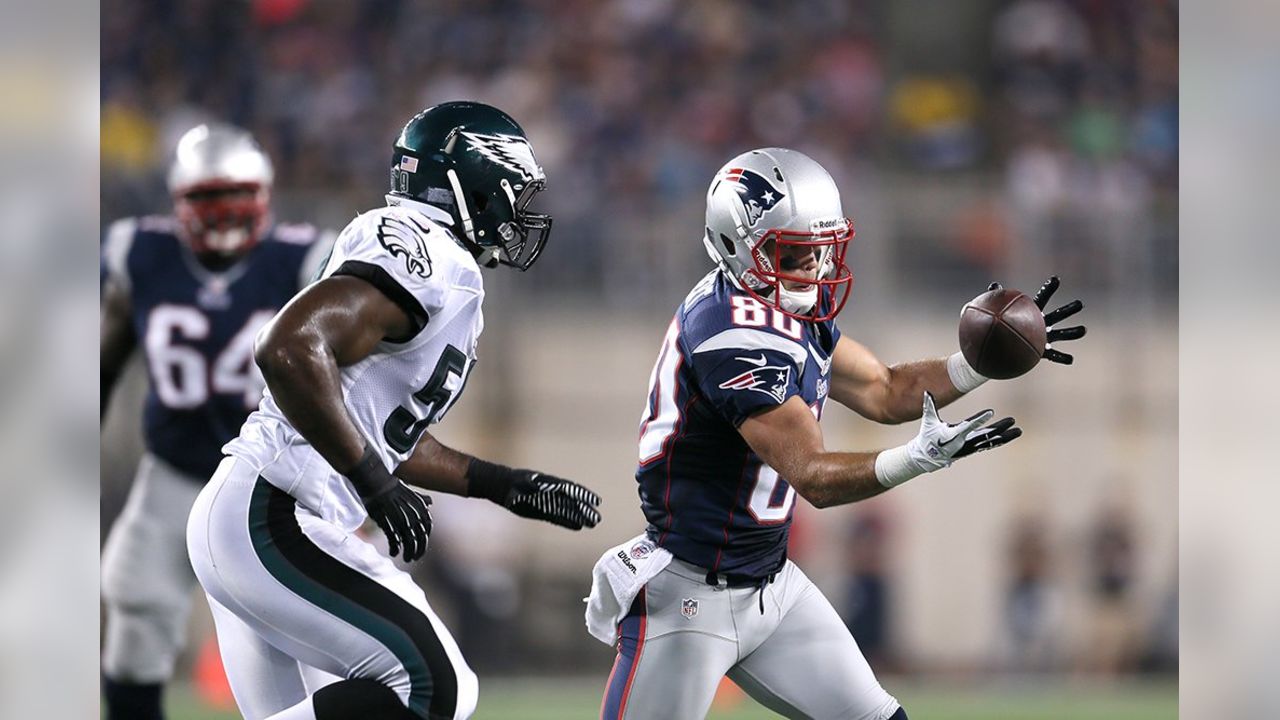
(1007, 134)
(1048, 572)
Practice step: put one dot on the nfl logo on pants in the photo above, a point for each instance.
(689, 608)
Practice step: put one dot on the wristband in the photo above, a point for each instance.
(963, 376)
(369, 476)
(489, 480)
(895, 466)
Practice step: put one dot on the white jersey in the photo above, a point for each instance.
(406, 384)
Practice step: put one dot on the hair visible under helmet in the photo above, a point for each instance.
(766, 203)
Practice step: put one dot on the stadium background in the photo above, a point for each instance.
(973, 141)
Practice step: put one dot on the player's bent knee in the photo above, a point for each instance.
(359, 698)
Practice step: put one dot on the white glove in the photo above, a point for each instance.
(939, 443)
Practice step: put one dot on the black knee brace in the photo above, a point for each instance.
(358, 699)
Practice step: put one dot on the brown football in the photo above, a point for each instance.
(1002, 333)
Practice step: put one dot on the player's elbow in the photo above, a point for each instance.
(277, 352)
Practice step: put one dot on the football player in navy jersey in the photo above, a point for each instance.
(730, 436)
(192, 289)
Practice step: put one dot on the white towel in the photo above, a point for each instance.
(616, 580)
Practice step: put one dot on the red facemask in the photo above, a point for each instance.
(222, 219)
(833, 285)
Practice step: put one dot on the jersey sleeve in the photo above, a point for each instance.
(391, 251)
(317, 257)
(116, 247)
(742, 371)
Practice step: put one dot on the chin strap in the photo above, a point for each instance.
(486, 256)
(468, 225)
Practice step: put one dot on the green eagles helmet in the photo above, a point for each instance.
(473, 161)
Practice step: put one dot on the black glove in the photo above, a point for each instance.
(534, 495)
(992, 436)
(401, 513)
(1052, 318)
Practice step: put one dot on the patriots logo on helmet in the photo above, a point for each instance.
(772, 380)
(403, 237)
(758, 195)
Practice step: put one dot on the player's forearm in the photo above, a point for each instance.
(116, 343)
(836, 478)
(908, 383)
(302, 373)
(433, 466)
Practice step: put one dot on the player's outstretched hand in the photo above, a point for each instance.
(404, 517)
(940, 442)
(534, 495)
(1052, 318)
(555, 500)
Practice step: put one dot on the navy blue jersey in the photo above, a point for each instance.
(708, 498)
(196, 329)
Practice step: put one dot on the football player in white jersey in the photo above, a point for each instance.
(357, 367)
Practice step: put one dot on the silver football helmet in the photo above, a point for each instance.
(220, 181)
(775, 227)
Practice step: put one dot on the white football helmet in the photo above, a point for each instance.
(763, 207)
(220, 181)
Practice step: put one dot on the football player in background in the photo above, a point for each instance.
(730, 435)
(357, 367)
(192, 289)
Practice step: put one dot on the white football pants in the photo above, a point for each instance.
(796, 658)
(288, 587)
(147, 582)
